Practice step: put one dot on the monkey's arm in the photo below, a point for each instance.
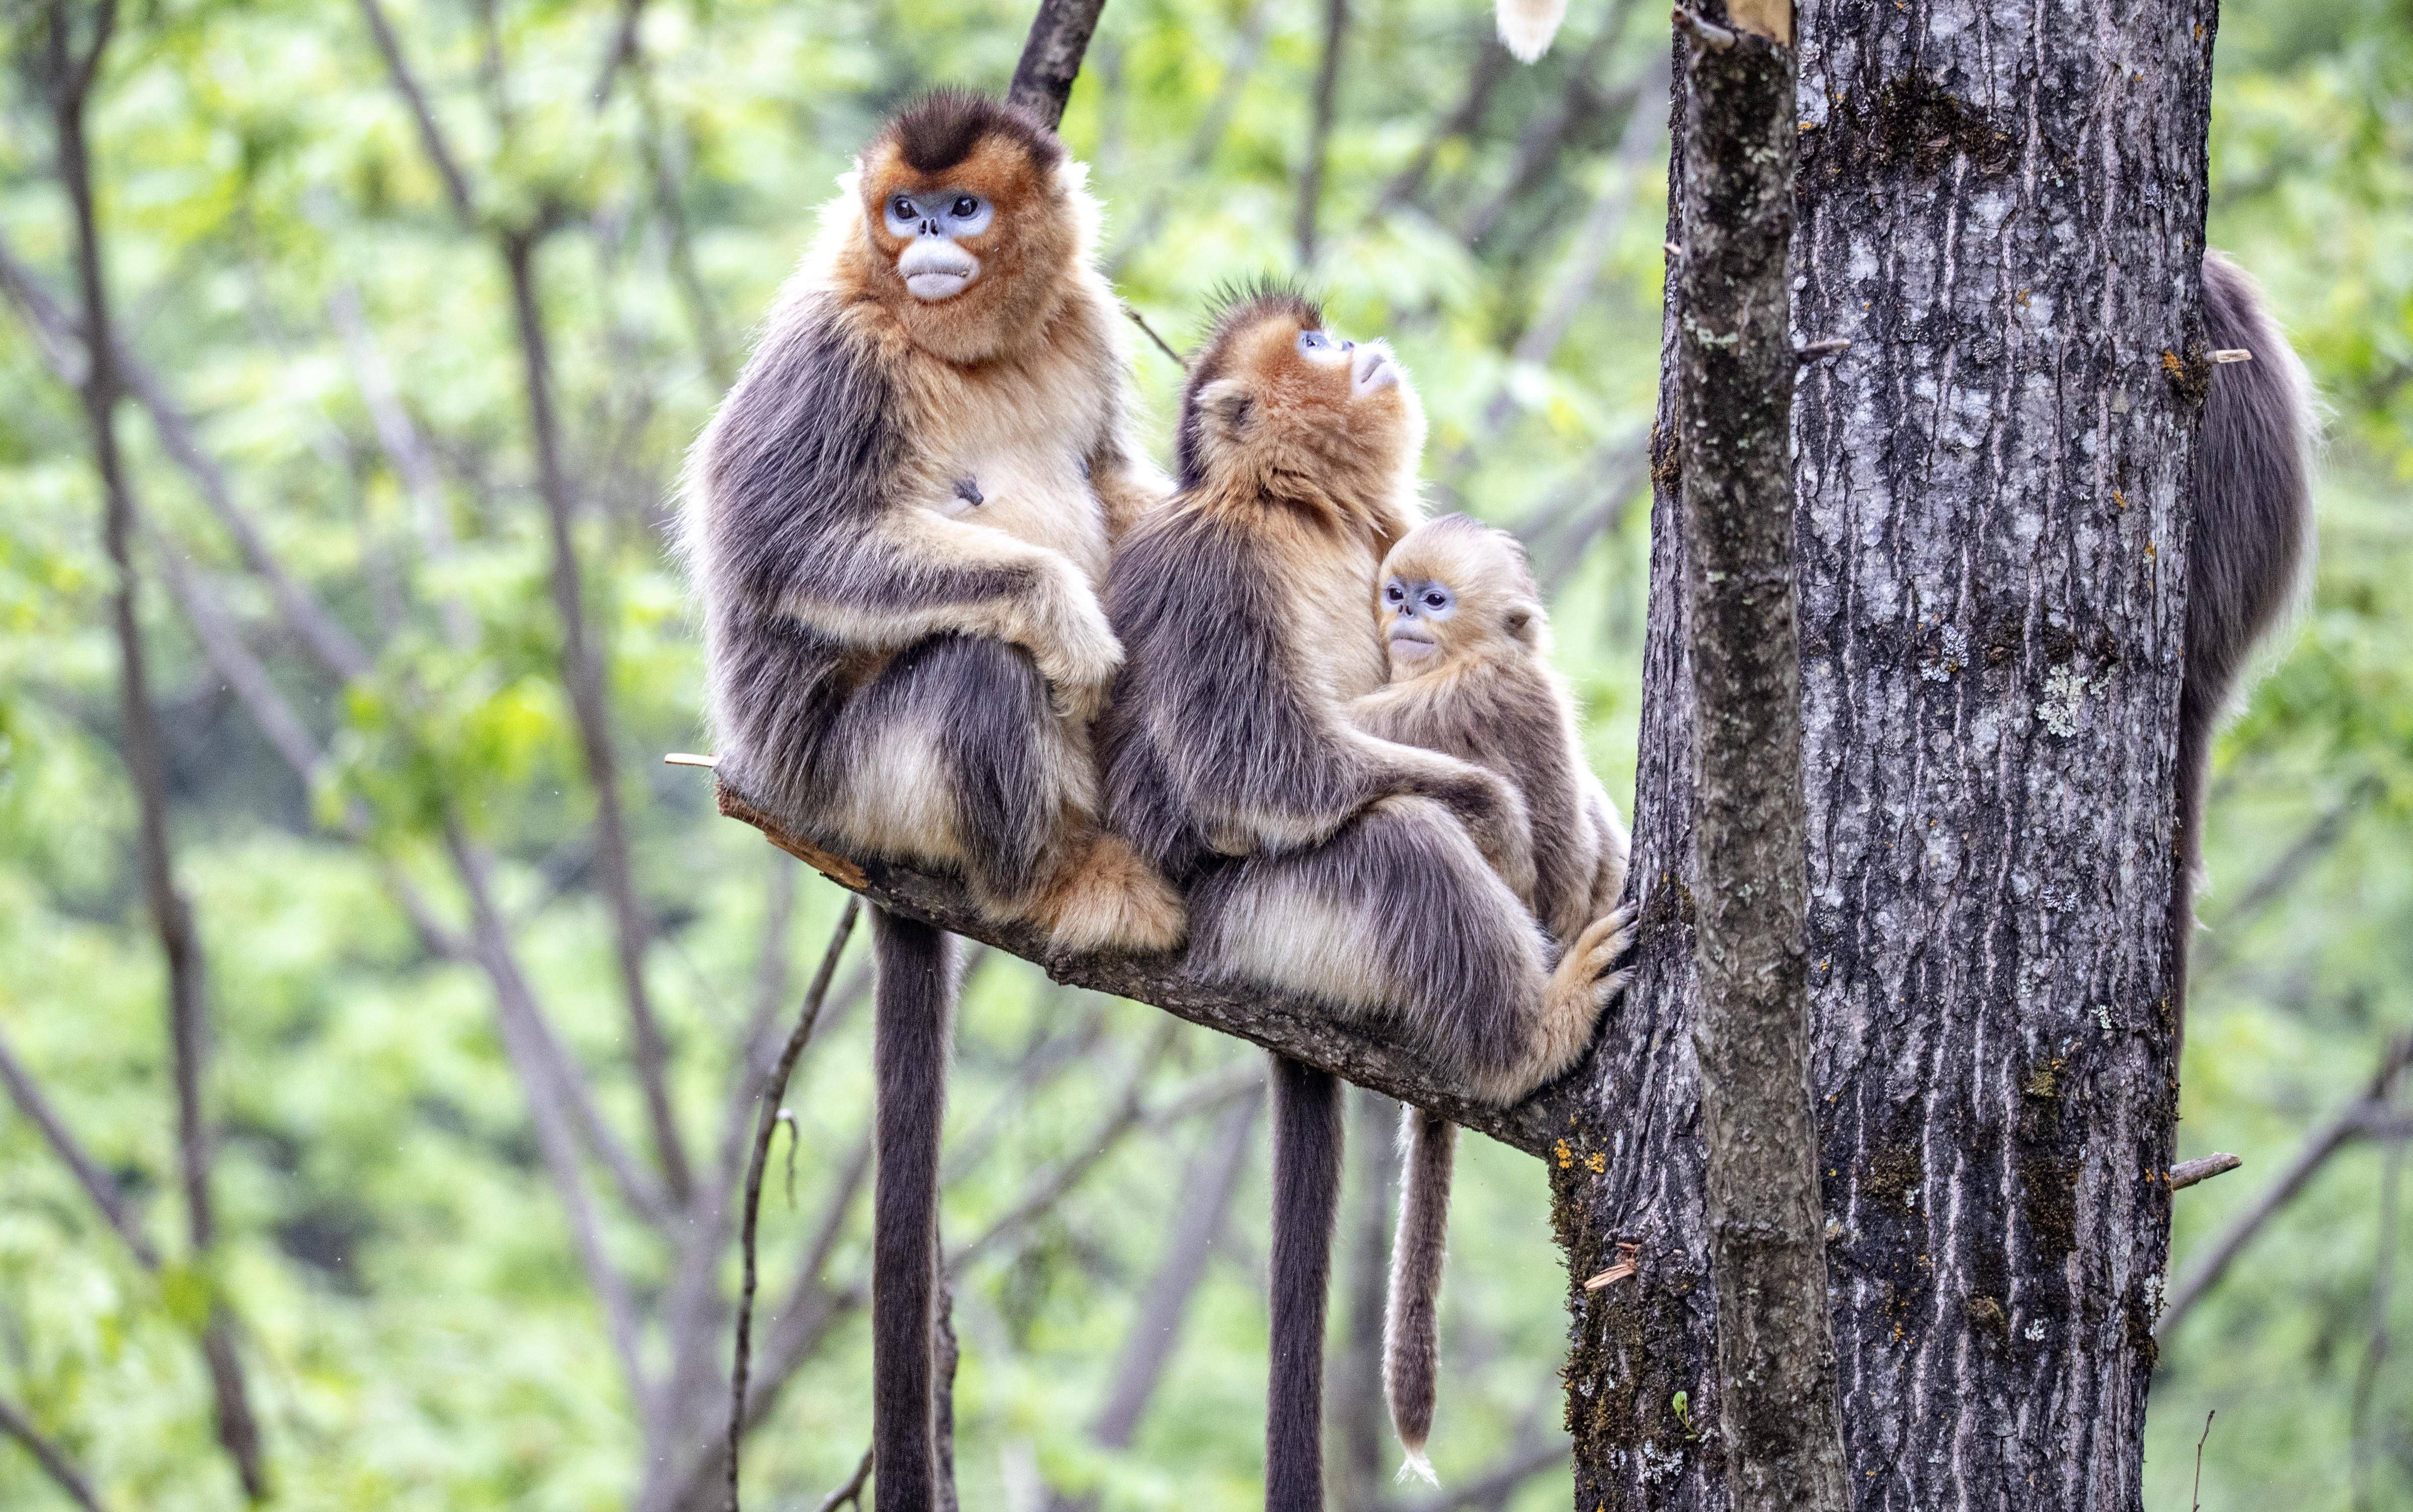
(1400, 727)
(1264, 761)
(913, 573)
(814, 500)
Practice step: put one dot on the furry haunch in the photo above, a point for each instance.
(1384, 879)
(1468, 642)
(899, 521)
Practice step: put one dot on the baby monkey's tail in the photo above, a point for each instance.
(1412, 1331)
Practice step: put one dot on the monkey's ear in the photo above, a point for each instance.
(1520, 624)
(1226, 404)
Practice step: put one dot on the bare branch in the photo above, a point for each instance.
(1549, 134)
(1208, 1188)
(334, 647)
(53, 1460)
(1319, 132)
(1051, 56)
(1212, 128)
(621, 50)
(850, 1493)
(2316, 841)
(27, 1095)
(1303, 1031)
(774, 1089)
(516, 1008)
(2324, 1141)
(1130, 1114)
(1493, 63)
(403, 445)
(431, 135)
(144, 748)
(2375, 1349)
(582, 670)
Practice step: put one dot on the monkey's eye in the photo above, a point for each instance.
(901, 208)
(1437, 600)
(1394, 593)
(965, 206)
(1314, 341)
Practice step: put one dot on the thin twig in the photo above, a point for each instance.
(95, 1181)
(849, 1494)
(1140, 320)
(2196, 1501)
(431, 135)
(1319, 134)
(53, 1460)
(775, 1087)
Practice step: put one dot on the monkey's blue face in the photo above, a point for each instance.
(934, 225)
(1413, 612)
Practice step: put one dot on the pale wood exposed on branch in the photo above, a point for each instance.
(2187, 1173)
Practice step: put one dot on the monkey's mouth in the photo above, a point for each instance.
(1374, 368)
(935, 271)
(1411, 642)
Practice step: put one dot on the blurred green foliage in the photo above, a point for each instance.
(420, 1331)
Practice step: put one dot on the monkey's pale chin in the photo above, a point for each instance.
(935, 271)
(1412, 648)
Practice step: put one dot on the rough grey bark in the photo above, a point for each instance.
(1732, 400)
(2001, 207)
(1051, 56)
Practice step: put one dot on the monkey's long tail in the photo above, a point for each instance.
(913, 1016)
(1306, 1198)
(1412, 1331)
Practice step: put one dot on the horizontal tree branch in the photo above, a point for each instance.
(1300, 1028)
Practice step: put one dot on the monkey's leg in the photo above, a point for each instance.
(913, 1015)
(1398, 913)
(953, 757)
(1411, 1329)
(1306, 1199)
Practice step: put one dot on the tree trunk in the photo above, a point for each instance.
(2001, 208)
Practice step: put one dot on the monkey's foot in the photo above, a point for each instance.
(1106, 897)
(1586, 981)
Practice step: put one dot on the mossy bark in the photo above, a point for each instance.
(2001, 208)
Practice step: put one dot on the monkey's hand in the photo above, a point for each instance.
(1494, 814)
(1075, 648)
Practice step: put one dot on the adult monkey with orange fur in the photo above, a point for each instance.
(1319, 859)
(897, 520)
(1468, 642)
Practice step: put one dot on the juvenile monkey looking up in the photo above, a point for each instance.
(1320, 859)
(1468, 643)
(897, 521)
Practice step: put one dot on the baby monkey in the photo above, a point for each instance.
(1468, 644)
